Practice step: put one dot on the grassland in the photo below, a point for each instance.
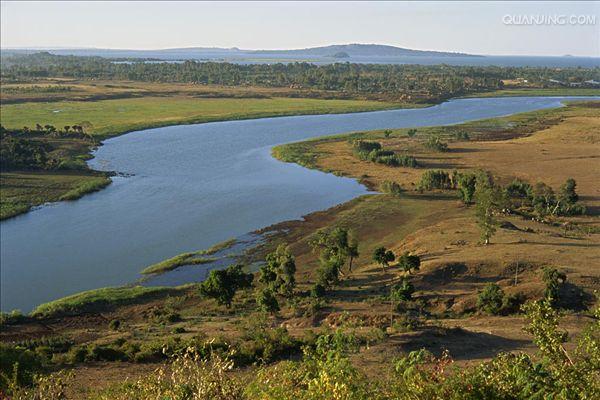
(21, 190)
(176, 262)
(190, 258)
(548, 145)
(112, 117)
(100, 299)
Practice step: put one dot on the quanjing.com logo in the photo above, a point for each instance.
(542, 19)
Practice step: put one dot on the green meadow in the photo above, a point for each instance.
(112, 117)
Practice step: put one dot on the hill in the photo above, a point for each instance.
(363, 50)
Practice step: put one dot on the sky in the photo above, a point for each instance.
(492, 28)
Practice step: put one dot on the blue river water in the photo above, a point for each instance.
(192, 186)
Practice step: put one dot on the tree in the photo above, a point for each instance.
(329, 273)
(335, 246)
(484, 212)
(279, 270)
(553, 279)
(544, 199)
(490, 299)
(402, 291)
(409, 262)
(222, 285)
(387, 133)
(352, 251)
(411, 133)
(567, 197)
(266, 300)
(383, 257)
(466, 184)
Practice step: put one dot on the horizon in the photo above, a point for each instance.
(489, 29)
(235, 48)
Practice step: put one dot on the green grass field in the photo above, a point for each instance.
(25, 189)
(104, 297)
(112, 117)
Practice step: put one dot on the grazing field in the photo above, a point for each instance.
(111, 117)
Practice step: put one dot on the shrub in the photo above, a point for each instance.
(13, 317)
(553, 279)
(317, 291)
(436, 144)
(223, 284)
(435, 179)
(114, 324)
(18, 365)
(391, 187)
(374, 152)
(266, 300)
(402, 291)
(490, 299)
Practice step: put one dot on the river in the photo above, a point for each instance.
(192, 186)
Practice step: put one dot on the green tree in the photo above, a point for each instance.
(279, 271)
(568, 196)
(544, 199)
(383, 257)
(411, 133)
(402, 291)
(266, 300)
(553, 279)
(387, 133)
(409, 262)
(486, 204)
(466, 185)
(222, 285)
(490, 299)
(336, 246)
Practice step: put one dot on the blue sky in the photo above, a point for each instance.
(472, 27)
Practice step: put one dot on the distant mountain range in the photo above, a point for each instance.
(362, 50)
(334, 51)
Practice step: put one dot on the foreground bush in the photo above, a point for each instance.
(325, 372)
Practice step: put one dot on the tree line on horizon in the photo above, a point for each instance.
(403, 82)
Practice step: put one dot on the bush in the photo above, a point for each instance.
(114, 325)
(402, 291)
(13, 317)
(374, 152)
(222, 285)
(436, 144)
(317, 291)
(490, 299)
(18, 364)
(266, 301)
(391, 187)
(435, 179)
(553, 279)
